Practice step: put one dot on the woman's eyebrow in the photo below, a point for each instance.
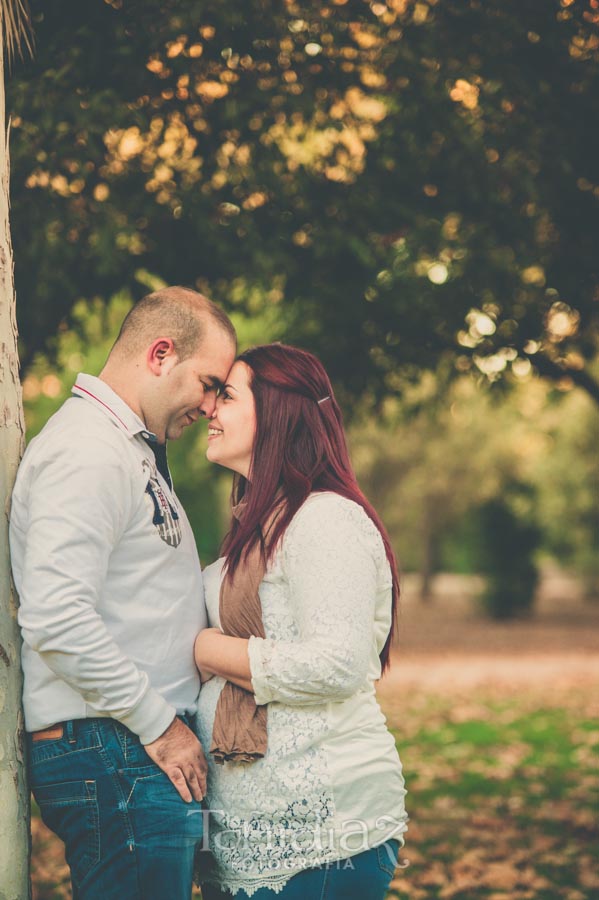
(229, 386)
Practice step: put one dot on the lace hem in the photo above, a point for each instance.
(277, 882)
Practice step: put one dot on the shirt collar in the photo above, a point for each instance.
(97, 392)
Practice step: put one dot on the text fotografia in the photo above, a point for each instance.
(237, 842)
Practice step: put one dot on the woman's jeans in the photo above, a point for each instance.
(127, 832)
(365, 876)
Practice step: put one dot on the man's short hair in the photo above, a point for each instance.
(175, 312)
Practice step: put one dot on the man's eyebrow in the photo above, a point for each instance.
(214, 383)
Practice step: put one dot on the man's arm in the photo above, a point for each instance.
(79, 507)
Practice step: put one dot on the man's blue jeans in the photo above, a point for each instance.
(127, 832)
(365, 876)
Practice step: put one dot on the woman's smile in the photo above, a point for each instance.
(235, 414)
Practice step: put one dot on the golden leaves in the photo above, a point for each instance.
(101, 192)
(420, 14)
(175, 48)
(58, 183)
(211, 90)
(363, 106)
(465, 93)
(167, 152)
(255, 200)
(561, 322)
(338, 153)
(534, 275)
(372, 78)
(125, 143)
(366, 38)
(584, 46)
(399, 6)
(155, 65)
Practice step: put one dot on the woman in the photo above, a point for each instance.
(306, 793)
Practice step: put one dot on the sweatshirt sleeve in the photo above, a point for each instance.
(79, 505)
(330, 558)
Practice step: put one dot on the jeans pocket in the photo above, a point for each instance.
(162, 817)
(147, 784)
(70, 810)
(387, 855)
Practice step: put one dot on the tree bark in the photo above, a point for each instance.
(14, 794)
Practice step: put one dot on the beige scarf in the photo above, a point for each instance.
(239, 732)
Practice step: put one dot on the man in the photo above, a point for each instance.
(111, 597)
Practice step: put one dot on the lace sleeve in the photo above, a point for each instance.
(330, 558)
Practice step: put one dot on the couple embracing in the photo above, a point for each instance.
(226, 717)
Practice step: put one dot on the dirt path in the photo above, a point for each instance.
(448, 644)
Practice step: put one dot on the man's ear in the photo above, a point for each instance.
(161, 355)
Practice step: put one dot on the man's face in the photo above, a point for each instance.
(187, 390)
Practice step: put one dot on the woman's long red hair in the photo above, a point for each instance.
(300, 447)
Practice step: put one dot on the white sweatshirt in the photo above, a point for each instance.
(107, 571)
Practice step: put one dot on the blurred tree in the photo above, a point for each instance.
(566, 481)
(409, 178)
(430, 461)
(507, 539)
(433, 461)
(14, 794)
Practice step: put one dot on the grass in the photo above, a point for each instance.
(503, 797)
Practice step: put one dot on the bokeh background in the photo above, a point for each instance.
(410, 189)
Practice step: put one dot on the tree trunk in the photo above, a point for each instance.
(14, 794)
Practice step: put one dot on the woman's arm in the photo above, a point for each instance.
(332, 556)
(219, 654)
(331, 564)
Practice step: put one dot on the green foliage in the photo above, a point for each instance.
(408, 180)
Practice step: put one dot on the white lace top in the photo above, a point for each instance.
(331, 782)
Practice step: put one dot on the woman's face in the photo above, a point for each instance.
(232, 428)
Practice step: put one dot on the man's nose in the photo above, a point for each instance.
(208, 406)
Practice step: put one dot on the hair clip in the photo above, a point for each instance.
(328, 397)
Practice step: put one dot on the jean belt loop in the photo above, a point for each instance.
(69, 726)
